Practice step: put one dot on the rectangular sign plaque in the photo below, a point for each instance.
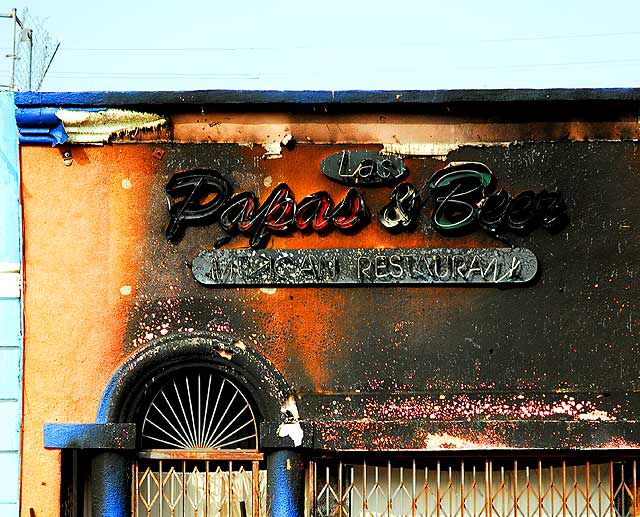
(356, 266)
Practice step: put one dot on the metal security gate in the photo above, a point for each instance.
(212, 467)
(475, 488)
(174, 483)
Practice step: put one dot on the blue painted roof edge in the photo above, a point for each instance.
(37, 125)
(198, 97)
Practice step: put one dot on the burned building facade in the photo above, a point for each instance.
(330, 303)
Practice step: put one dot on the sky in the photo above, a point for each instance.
(336, 44)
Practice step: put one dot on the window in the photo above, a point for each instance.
(198, 449)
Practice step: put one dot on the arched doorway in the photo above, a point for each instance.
(198, 447)
(135, 451)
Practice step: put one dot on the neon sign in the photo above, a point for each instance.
(463, 197)
(204, 196)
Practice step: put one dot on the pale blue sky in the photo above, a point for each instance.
(395, 44)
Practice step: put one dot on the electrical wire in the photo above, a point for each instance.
(321, 47)
(260, 75)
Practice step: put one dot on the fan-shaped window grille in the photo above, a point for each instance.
(199, 441)
(198, 408)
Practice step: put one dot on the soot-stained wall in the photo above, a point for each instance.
(551, 363)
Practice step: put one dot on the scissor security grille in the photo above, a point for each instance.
(475, 488)
(198, 488)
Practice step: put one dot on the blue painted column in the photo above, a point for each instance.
(285, 483)
(10, 309)
(110, 485)
(109, 446)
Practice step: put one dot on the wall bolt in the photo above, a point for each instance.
(67, 158)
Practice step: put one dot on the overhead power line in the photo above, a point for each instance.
(160, 74)
(321, 47)
(256, 75)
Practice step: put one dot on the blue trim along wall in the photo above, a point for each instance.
(114, 99)
(10, 310)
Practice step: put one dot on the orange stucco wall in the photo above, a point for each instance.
(81, 228)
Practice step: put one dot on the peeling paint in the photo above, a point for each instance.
(240, 345)
(225, 354)
(293, 431)
(596, 415)
(361, 437)
(287, 140)
(438, 150)
(291, 427)
(434, 441)
(273, 148)
(97, 127)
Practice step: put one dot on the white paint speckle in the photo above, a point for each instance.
(126, 183)
(125, 290)
(268, 181)
(596, 415)
(268, 290)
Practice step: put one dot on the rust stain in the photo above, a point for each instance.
(302, 326)
(392, 128)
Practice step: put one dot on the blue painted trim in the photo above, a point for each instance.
(10, 308)
(265, 382)
(184, 97)
(89, 436)
(199, 97)
(40, 126)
